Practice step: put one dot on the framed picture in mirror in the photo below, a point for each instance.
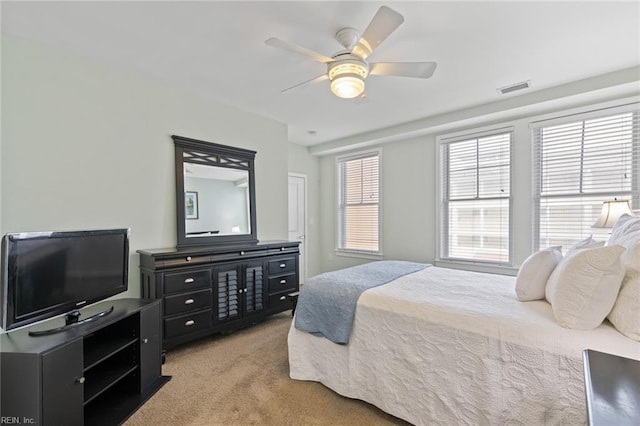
(190, 205)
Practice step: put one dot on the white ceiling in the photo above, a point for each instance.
(216, 49)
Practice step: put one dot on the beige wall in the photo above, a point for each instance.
(85, 147)
(408, 200)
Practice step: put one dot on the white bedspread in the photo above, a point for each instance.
(445, 346)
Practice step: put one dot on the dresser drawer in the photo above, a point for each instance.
(282, 283)
(282, 265)
(280, 302)
(187, 280)
(185, 324)
(186, 261)
(187, 302)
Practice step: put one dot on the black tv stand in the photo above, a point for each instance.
(72, 319)
(96, 374)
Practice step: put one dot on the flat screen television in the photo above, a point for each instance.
(45, 274)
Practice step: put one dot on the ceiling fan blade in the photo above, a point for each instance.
(313, 80)
(403, 69)
(385, 21)
(276, 42)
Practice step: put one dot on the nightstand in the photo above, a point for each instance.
(612, 385)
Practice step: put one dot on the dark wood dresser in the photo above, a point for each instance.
(206, 290)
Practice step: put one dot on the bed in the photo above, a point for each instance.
(447, 346)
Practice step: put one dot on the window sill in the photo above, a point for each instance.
(359, 254)
(477, 267)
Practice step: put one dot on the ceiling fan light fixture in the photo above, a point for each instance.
(347, 78)
(347, 86)
(348, 69)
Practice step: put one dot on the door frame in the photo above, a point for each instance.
(305, 250)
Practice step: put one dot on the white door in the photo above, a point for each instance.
(298, 217)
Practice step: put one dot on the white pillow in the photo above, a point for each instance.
(588, 242)
(534, 273)
(583, 287)
(625, 226)
(625, 315)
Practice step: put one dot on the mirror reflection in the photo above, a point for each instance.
(215, 194)
(216, 201)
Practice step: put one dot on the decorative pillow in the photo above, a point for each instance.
(588, 242)
(625, 315)
(583, 287)
(534, 273)
(625, 228)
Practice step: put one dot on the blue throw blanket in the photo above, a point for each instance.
(327, 302)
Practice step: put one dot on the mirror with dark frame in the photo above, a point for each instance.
(215, 193)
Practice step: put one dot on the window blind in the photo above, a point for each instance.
(578, 164)
(476, 199)
(359, 202)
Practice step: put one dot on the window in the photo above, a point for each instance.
(359, 203)
(476, 198)
(578, 164)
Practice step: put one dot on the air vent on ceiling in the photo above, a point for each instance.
(513, 87)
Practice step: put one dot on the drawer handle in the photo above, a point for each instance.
(283, 281)
(189, 323)
(189, 301)
(145, 340)
(189, 280)
(283, 297)
(241, 253)
(80, 380)
(281, 248)
(283, 265)
(188, 258)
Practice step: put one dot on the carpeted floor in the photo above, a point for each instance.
(242, 378)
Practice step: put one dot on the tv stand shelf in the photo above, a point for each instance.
(95, 373)
(100, 351)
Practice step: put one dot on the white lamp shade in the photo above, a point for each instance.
(611, 212)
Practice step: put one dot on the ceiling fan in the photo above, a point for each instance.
(348, 69)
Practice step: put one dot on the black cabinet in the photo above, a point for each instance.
(207, 290)
(239, 290)
(96, 373)
(62, 390)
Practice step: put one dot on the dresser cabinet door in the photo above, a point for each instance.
(254, 288)
(62, 385)
(227, 297)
